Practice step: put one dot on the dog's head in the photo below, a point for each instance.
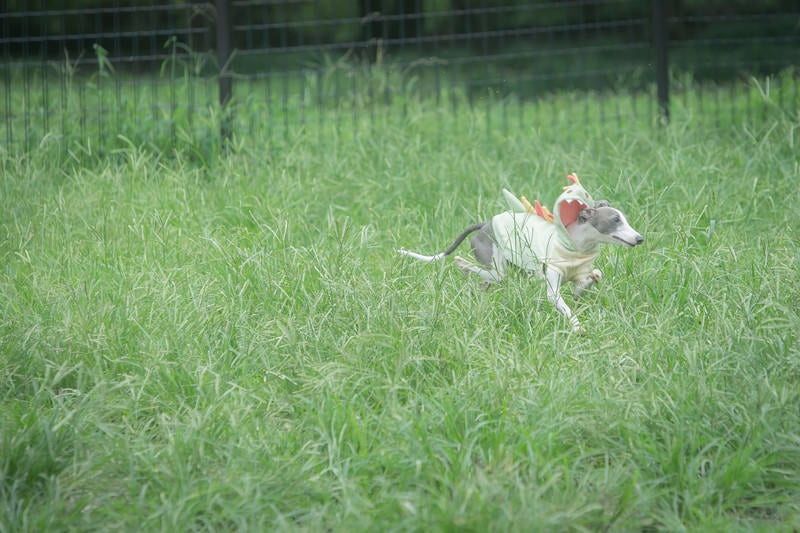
(583, 223)
(603, 223)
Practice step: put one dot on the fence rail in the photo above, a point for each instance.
(151, 71)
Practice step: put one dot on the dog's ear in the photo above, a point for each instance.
(585, 214)
(602, 203)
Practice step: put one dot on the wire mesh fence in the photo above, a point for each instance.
(182, 72)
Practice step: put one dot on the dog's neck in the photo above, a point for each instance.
(584, 238)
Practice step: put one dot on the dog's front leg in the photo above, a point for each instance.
(553, 279)
(581, 285)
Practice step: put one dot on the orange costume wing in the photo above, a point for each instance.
(543, 211)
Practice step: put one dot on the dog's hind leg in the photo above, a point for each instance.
(488, 276)
(492, 263)
(553, 281)
(484, 248)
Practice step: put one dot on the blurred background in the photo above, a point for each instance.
(153, 71)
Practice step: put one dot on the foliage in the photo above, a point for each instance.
(232, 343)
(130, 27)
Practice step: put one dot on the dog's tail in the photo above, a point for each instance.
(450, 250)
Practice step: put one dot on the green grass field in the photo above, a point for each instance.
(232, 343)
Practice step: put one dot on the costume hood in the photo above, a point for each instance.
(565, 210)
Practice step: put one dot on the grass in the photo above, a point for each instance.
(231, 342)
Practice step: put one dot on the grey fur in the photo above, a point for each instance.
(607, 220)
(483, 245)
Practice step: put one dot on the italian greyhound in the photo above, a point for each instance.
(559, 247)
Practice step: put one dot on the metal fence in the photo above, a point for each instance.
(168, 72)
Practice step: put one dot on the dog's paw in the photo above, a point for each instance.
(576, 326)
(596, 275)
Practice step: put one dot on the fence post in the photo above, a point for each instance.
(661, 44)
(223, 56)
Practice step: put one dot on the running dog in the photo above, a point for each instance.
(559, 247)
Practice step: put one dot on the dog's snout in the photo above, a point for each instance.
(639, 239)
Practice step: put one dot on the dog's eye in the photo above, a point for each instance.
(616, 219)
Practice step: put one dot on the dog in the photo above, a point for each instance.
(558, 247)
